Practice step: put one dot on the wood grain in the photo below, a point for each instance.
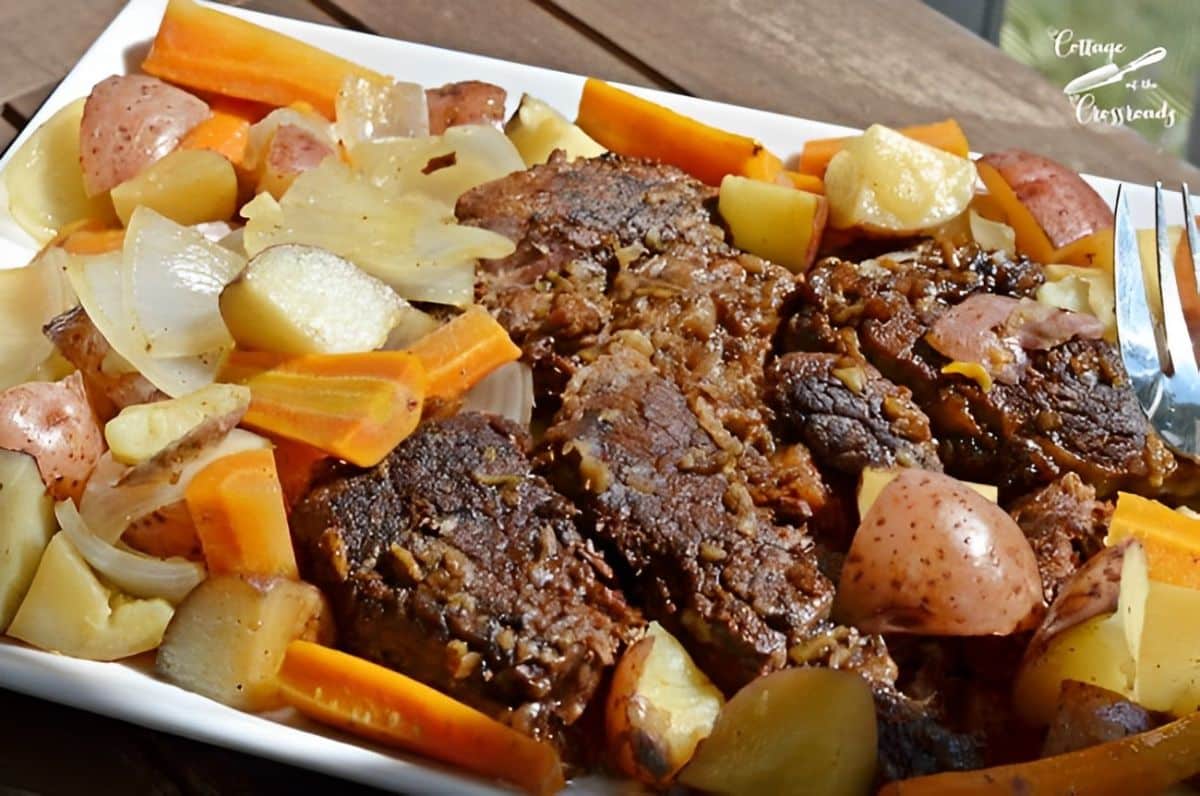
(7, 133)
(857, 62)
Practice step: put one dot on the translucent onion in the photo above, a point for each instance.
(111, 501)
(507, 391)
(171, 279)
(442, 167)
(410, 242)
(97, 282)
(992, 235)
(136, 574)
(29, 298)
(368, 109)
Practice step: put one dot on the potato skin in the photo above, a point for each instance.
(1063, 204)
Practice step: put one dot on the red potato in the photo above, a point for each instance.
(467, 102)
(54, 423)
(933, 556)
(1060, 201)
(130, 121)
(293, 150)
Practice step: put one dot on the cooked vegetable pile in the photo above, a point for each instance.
(540, 447)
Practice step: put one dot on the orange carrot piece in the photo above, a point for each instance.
(458, 354)
(1094, 251)
(1171, 540)
(355, 695)
(207, 50)
(353, 406)
(236, 504)
(297, 464)
(945, 135)
(1148, 762)
(94, 241)
(633, 126)
(804, 182)
(227, 130)
(1031, 238)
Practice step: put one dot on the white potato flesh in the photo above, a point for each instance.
(776, 222)
(45, 181)
(884, 181)
(536, 130)
(805, 730)
(142, 430)
(188, 186)
(659, 708)
(67, 609)
(26, 525)
(298, 299)
(228, 637)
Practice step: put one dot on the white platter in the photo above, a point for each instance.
(128, 691)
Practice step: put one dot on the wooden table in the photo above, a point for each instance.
(854, 62)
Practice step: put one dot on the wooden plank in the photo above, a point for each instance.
(857, 62)
(8, 132)
(40, 42)
(515, 30)
(23, 108)
(295, 9)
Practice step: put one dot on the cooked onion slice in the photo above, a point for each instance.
(507, 391)
(369, 109)
(30, 297)
(992, 235)
(117, 495)
(136, 574)
(171, 279)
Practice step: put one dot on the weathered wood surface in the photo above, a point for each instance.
(852, 62)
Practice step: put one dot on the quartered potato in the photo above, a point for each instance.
(228, 637)
(143, 430)
(45, 181)
(26, 525)
(536, 130)
(886, 182)
(796, 731)
(775, 222)
(69, 610)
(659, 708)
(298, 299)
(188, 186)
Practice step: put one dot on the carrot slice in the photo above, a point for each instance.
(354, 406)
(207, 50)
(385, 706)
(633, 126)
(805, 182)
(94, 241)
(1148, 762)
(1031, 238)
(458, 354)
(227, 130)
(1171, 540)
(236, 504)
(297, 464)
(945, 135)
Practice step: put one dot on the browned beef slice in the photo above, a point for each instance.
(848, 415)
(1065, 525)
(1072, 411)
(453, 563)
(467, 102)
(700, 557)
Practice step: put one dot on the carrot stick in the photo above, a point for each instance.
(1031, 238)
(1148, 762)
(633, 126)
(297, 464)
(458, 354)
(204, 49)
(94, 241)
(945, 135)
(237, 507)
(353, 406)
(1171, 540)
(804, 182)
(377, 703)
(227, 130)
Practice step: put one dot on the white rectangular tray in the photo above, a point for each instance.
(128, 691)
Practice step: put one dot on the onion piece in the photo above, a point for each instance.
(1038, 327)
(369, 109)
(967, 333)
(992, 235)
(410, 242)
(171, 281)
(139, 575)
(507, 391)
(113, 500)
(30, 297)
(97, 282)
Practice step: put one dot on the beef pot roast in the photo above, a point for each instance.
(453, 563)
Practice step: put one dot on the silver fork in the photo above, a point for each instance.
(1158, 352)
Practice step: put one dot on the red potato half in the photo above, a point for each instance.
(54, 423)
(932, 556)
(1062, 203)
(129, 122)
